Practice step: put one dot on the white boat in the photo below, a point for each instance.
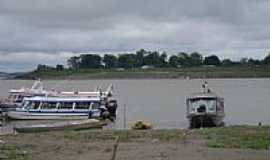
(16, 96)
(38, 108)
(205, 109)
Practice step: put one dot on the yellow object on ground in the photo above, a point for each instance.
(141, 125)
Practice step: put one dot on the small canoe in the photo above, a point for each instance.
(59, 126)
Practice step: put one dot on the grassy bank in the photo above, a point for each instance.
(238, 137)
(100, 142)
(198, 72)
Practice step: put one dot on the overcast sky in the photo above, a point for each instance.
(48, 31)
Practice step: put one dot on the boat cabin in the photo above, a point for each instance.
(45, 108)
(17, 97)
(62, 103)
(204, 103)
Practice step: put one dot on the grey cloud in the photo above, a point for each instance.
(225, 27)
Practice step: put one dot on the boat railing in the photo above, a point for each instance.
(73, 106)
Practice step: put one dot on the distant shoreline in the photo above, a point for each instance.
(157, 73)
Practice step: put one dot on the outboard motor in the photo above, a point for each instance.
(111, 106)
(104, 114)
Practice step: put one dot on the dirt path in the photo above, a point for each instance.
(176, 151)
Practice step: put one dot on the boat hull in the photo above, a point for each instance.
(21, 115)
(206, 120)
(6, 107)
(62, 126)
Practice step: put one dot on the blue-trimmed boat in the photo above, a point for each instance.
(16, 96)
(38, 108)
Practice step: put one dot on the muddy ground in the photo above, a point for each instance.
(98, 145)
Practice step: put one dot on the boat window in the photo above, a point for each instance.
(65, 105)
(209, 103)
(19, 98)
(95, 105)
(82, 105)
(36, 105)
(12, 97)
(212, 105)
(49, 105)
(24, 104)
(32, 105)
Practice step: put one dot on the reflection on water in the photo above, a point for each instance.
(162, 101)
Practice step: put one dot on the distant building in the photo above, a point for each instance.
(120, 69)
(147, 67)
(210, 66)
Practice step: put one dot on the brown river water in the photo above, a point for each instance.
(162, 101)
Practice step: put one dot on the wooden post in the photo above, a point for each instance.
(115, 146)
(125, 118)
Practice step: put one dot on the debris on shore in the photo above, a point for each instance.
(141, 125)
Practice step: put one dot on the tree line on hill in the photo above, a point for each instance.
(152, 59)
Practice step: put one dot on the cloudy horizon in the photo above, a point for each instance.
(49, 32)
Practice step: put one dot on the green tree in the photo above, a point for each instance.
(266, 60)
(253, 62)
(43, 67)
(139, 57)
(90, 61)
(152, 59)
(110, 61)
(184, 59)
(163, 60)
(127, 60)
(173, 61)
(74, 62)
(155, 59)
(59, 67)
(227, 63)
(212, 60)
(196, 59)
(244, 61)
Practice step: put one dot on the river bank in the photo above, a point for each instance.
(155, 73)
(241, 142)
